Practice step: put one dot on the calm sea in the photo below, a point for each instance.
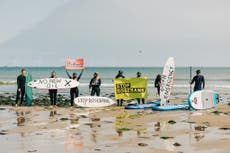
(216, 78)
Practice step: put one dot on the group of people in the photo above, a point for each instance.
(95, 84)
(120, 74)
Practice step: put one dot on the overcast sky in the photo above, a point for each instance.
(115, 32)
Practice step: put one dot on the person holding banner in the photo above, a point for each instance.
(53, 92)
(95, 84)
(119, 75)
(140, 99)
(74, 92)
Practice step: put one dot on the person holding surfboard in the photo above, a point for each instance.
(158, 84)
(140, 99)
(21, 81)
(95, 84)
(74, 92)
(53, 92)
(120, 75)
(199, 81)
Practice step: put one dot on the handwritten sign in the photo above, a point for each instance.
(53, 83)
(74, 64)
(167, 81)
(90, 101)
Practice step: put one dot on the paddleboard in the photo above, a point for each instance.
(93, 101)
(167, 78)
(203, 99)
(28, 90)
(172, 107)
(142, 106)
(53, 83)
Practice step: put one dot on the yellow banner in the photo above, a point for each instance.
(125, 88)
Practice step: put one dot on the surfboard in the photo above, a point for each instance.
(203, 99)
(167, 78)
(142, 106)
(93, 101)
(172, 107)
(53, 83)
(28, 90)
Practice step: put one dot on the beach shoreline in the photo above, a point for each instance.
(87, 129)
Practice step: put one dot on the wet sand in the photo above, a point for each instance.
(113, 130)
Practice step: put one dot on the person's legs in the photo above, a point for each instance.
(118, 102)
(138, 100)
(55, 97)
(98, 91)
(18, 96)
(121, 102)
(74, 94)
(22, 96)
(143, 101)
(158, 91)
(71, 97)
(92, 92)
(51, 96)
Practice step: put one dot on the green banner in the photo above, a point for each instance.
(125, 88)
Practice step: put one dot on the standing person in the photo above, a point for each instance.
(53, 92)
(199, 81)
(120, 75)
(21, 81)
(158, 84)
(95, 84)
(74, 92)
(140, 99)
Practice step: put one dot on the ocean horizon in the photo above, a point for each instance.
(217, 78)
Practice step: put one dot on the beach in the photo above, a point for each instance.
(158, 71)
(42, 128)
(113, 129)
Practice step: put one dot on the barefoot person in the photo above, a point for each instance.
(158, 84)
(119, 75)
(95, 84)
(140, 99)
(21, 81)
(74, 92)
(53, 92)
(199, 81)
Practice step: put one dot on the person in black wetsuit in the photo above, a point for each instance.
(120, 75)
(74, 92)
(21, 81)
(95, 84)
(53, 92)
(158, 84)
(199, 81)
(140, 99)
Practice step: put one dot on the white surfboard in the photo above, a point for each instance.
(53, 83)
(167, 79)
(203, 99)
(93, 101)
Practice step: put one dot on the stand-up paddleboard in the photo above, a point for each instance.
(172, 107)
(93, 101)
(167, 80)
(203, 99)
(53, 83)
(28, 90)
(142, 106)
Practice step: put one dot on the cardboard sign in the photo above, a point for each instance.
(74, 64)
